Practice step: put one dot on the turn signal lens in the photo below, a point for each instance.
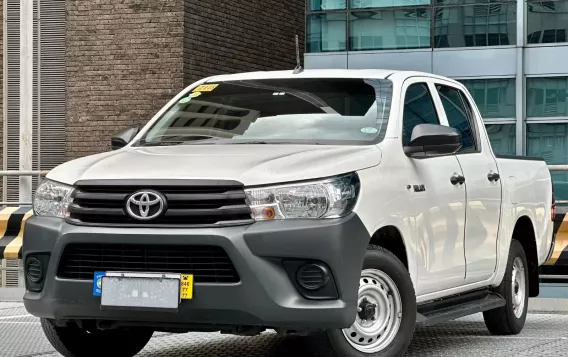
(264, 213)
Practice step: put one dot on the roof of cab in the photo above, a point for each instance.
(308, 73)
(322, 73)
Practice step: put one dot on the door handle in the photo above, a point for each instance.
(455, 179)
(493, 176)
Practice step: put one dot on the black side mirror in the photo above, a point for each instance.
(123, 137)
(433, 140)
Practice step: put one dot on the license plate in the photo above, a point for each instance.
(142, 290)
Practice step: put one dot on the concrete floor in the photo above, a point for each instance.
(544, 335)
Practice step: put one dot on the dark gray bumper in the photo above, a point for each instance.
(265, 296)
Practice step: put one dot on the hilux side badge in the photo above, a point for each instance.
(419, 188)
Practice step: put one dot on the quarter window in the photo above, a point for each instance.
(459, 115)
(418, 109)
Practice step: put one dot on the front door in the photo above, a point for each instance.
(438, 202)
(482, 183)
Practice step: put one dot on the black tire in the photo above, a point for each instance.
(503, 321)
(78, 342)
(334, 343)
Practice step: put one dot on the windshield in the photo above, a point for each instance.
(348, 111)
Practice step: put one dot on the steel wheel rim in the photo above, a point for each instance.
(372, 336)
(518, 287)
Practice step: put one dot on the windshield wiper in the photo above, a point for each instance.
(207, 141)
(261, 142)
(225, 141)
(189, 140)
(161, 143)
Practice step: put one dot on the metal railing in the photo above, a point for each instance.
(559, 168)
(38, 174)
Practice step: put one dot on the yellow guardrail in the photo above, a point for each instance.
(561, 244)
(12, 221)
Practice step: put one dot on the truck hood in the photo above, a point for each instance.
(249, 164)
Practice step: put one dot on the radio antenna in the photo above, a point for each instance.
(298, 68)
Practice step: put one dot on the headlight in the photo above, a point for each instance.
(332, 198)
(52, 199)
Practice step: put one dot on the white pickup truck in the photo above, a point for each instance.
(344, 205)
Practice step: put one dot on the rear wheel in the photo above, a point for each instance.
(79, 342)
(386, 311)
(510, 319)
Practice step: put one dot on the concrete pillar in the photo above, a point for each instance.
(26, 95)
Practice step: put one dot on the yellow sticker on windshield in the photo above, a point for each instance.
(205, 88)
(195, 94)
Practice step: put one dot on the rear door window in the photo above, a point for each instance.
(459, 114)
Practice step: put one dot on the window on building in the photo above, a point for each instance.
(459, 115)
(365, 4)
(466, 2)
(502, 138)
(475, 25)
(495, 98)
(390, 29)
(326, 32)
(418, 109)
(550, 141)
(547, 21)
(410, 24)
(546, 97)
(319, 5)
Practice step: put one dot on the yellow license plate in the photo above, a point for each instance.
(186, 291)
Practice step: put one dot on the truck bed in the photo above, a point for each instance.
(527, 190)
(518, 157)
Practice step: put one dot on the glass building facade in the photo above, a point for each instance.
(509, 54)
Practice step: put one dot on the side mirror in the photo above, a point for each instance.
(123, 137)
(433, 140)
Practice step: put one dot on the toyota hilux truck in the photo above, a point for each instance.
(344, 206)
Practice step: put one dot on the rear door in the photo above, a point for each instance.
(482, 183)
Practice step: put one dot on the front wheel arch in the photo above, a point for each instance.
(390, 238)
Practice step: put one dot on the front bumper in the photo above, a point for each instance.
(265, 296)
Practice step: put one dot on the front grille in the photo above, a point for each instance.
(186, 204)
(208, 264)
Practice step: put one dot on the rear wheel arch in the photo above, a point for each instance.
(524, 233)
(390, 238)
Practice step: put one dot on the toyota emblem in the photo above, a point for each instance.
(145, 205)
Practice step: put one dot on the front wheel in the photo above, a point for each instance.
(79, 342)
(510, 319)
(386, 311)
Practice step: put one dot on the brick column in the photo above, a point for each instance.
(126, 59)
(241, 36)
(124, 62)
